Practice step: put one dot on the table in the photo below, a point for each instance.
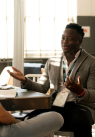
(26, 100)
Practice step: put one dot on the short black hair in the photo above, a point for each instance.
(76, 27)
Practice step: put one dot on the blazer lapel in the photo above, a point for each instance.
(78, 63)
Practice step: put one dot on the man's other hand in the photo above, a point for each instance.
(73, 86)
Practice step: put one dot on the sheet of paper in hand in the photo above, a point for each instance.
(61, 97)
(10, 93)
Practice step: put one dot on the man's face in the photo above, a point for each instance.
(70, 41)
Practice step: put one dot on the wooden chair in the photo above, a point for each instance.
(35, 77)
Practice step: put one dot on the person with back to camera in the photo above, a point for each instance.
(35, 127)
(70, 77)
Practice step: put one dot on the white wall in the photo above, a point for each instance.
(85, 7)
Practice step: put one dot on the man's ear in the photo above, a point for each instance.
(80, 41)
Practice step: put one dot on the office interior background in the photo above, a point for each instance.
(31, 30)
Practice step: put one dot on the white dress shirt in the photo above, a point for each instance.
(61, 86)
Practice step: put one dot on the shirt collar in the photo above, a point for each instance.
(76, 55)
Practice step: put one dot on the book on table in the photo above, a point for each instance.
(7, 92)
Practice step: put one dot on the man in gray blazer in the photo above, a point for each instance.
(71, 79)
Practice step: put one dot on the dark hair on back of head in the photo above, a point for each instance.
(76, 27)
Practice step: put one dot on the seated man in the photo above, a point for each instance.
(40, 126)
(71, 79)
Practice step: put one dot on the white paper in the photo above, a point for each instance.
(8, 93)
(61, 97)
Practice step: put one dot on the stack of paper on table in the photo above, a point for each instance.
(9, 93)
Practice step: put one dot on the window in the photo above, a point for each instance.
(45, 21)
(6, 28)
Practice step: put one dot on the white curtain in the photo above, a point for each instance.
(18, 58)
(45, 21)
(6, 28)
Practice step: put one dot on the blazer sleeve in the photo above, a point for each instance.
(89, 95)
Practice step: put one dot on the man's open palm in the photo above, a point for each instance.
(17, 75)
(73, 86)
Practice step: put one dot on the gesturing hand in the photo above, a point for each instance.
(18, 75)
(73, 86)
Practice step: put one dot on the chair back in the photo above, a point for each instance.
(34, 77)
